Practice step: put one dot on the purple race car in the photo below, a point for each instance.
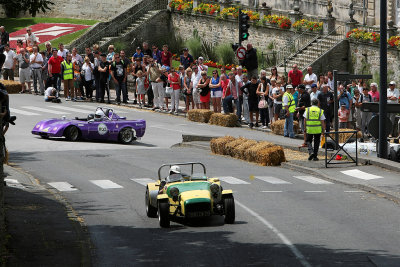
(103, 125)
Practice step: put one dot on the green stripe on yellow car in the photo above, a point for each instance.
(189, 186)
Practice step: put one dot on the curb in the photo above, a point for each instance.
(78, 222)
(367, 188)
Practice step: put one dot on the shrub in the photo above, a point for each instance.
(195, 46)
(225, 54)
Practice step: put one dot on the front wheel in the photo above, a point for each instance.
(127, 136)
(72, 133)
(229, 204)
(150, 210)
(163, 214)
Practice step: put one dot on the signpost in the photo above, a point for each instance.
(382, 149)
(241, 53)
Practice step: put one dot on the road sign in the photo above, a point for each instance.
(241, 53)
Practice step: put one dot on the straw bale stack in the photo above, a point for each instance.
(277, 127)
(271, 156)
(344, 136)
(251, 152)
(217, 145)
(225, 120)
(199, 115)
(231, 146)
(12, 87)
(240, 151)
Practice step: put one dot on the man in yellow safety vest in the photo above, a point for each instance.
(67, 75)
(315, 126)
(290, 107)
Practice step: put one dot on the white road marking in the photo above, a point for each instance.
(314, 191)
(143, 181)
(22, 112)
(173, 130)
(106, 184)
(355, 191)
(361, 175)
(271, 191)
(63, 186)
(272, 180)
(70, 109)
(232, 180)
(312, 180)
(283, 238)
(13, 183)
(46, 110)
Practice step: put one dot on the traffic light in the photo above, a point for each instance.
(243, 26)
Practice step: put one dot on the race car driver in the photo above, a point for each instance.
(99, 116)
(174, 175)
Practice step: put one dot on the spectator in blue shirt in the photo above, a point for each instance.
(138, 53)
(156, 54)
(344, 97)
(186, 59)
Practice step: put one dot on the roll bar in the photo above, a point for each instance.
(182, 164)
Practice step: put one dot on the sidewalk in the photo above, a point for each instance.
(42, 230)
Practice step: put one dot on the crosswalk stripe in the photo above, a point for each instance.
(63, 186)
(272, 180)
(22, 112)
(13, 183)
(46, 110)
(93, 109)
(361, 175)
(312, 180)
(71, 109)
(143, 181)
(232, 180)
(106, 184)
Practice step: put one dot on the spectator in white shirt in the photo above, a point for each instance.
(30, 39)
(36, 60)
(392, 98)
(239, 79)
(62, 52)
(314, 92)
(9, 63)
(196, 76)
(310, 79)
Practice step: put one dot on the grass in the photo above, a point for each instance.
(15, 24)
(176, 64)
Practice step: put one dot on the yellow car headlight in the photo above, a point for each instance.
(214, 188)
(174, 191)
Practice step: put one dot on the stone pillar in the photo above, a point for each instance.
(223, 3)
(296, 14)
(392, 30)
(371, 13)
(329, 25)
(265, 10)
(351, 25)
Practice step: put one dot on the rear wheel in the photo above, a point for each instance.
(229, 204)
(72, 133)
(127, 135)
(150, 210)
(163, 214)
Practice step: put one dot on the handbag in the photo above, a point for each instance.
(168, 89)
(262, 103)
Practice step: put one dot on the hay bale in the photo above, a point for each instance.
(231, 146)
(344, 136)
(277, 127)
(199, 115)
(271, 156)
(251, 152)
(225, 120)
(240, 150)
(12, 87)
(217, 145)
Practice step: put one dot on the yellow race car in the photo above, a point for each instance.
(187, 195)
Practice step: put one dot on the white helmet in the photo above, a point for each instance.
(99, 114)
(175, 169)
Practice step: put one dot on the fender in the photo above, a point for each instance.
(227, 193)
(162, 197)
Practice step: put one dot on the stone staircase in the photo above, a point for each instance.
(310, 50)
(104, 41)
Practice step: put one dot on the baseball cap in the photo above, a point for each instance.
(343, 105)
(289, 86)
(201, 58)
(185, 49)
(392, 83)
(313, 85)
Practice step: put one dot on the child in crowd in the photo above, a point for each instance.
(138, 53)
(140, 90)
(77, 81)
(343, 114)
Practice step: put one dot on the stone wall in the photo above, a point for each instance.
(101, 10)
(336, 58)
(226, 31)
(365, 60)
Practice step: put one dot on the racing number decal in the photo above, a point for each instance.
(102, 129)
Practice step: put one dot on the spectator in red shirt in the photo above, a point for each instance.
(54, 68)
(374, 92)
(166, 57)
(295, 75)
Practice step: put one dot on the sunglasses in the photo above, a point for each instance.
(116, 57)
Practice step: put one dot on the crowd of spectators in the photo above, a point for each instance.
(258, 98)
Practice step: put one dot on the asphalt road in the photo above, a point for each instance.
(288, 220)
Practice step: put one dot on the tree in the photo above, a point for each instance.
(14, 7)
